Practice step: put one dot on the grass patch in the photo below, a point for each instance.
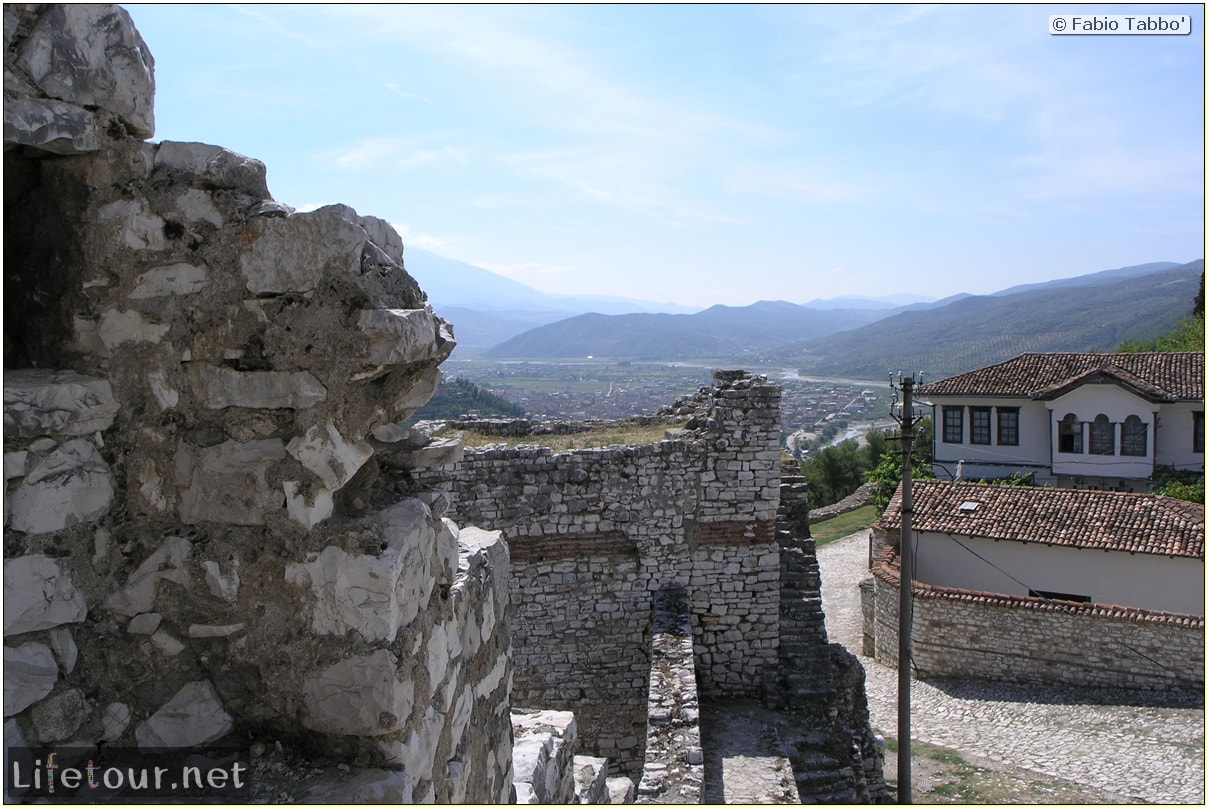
(843, 525)
(625, 435)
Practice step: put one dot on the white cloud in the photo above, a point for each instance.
(378, 153)
(415, 238)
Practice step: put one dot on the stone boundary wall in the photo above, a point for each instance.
(959, 633)
(859, 499)
(594, 534)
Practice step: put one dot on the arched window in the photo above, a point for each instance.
(1070, 434)
(1103, 437)
(1133, 437)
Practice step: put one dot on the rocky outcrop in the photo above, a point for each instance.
(197, 383)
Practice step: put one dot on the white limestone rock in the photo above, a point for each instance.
(167, 644)
(49, 125)
(403, 336)
(14, 464)
(56, 403)
(114, 721)
(39, 594)
(307, 511)
(64, 647)
(438, 452)
(169, 280)
(591, 779)
(165, 395)
(418, 394)
(414, 755)
(329, 455)
(224, 586)
(227, 483)
(214, 630)
(192, 718)
(30, 673)
(139, 229)
(91, 56)
(119, 327)
(166, 564)
(361, 695)
(225, 387)
(215, 166)
(144, 624)
(197, 206)
(293, 254)
(543, 754)
(71, 485)
(373, 594)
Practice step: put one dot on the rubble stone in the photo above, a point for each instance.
(39, 594)
(193, 717)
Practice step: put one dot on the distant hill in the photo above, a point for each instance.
(1092, 313)
(718, 332)
(1087, 313)
(487, 308)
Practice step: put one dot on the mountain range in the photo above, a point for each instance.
(499, 318)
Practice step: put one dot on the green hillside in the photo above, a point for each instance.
(981, 330)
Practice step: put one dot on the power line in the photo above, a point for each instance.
(1179, 676)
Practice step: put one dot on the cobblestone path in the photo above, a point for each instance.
(1142, 752)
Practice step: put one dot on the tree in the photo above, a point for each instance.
(889, 474)
(1189, 335)
(834, 473)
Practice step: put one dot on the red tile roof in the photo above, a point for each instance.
(1078, 518)
(1159, 376)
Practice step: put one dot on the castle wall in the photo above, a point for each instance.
(594, 534)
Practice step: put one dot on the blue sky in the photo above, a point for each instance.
(712, 154)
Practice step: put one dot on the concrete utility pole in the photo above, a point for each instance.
(904, 598)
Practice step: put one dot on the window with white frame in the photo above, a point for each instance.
(954, 427)
(980, 425)
(1009, 426)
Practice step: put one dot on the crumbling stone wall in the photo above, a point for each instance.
(595, 534)
(197, 383)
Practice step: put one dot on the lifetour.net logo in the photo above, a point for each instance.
(123, 774)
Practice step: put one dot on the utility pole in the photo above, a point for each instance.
(905, 608)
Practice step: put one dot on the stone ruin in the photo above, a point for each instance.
(196, 382)
(217, 528)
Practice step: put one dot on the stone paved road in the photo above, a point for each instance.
(1144, 753)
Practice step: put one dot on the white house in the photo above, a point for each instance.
(1101, 421)
(1098, 547)
(1027, 584)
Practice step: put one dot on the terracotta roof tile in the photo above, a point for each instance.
(1079, 518)
(1175, 375)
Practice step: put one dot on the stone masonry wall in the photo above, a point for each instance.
(198, 381)
(956, 633)
(594, 534)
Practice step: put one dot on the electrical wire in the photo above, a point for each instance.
(915, 553)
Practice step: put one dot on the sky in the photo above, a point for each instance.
(704, 154)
